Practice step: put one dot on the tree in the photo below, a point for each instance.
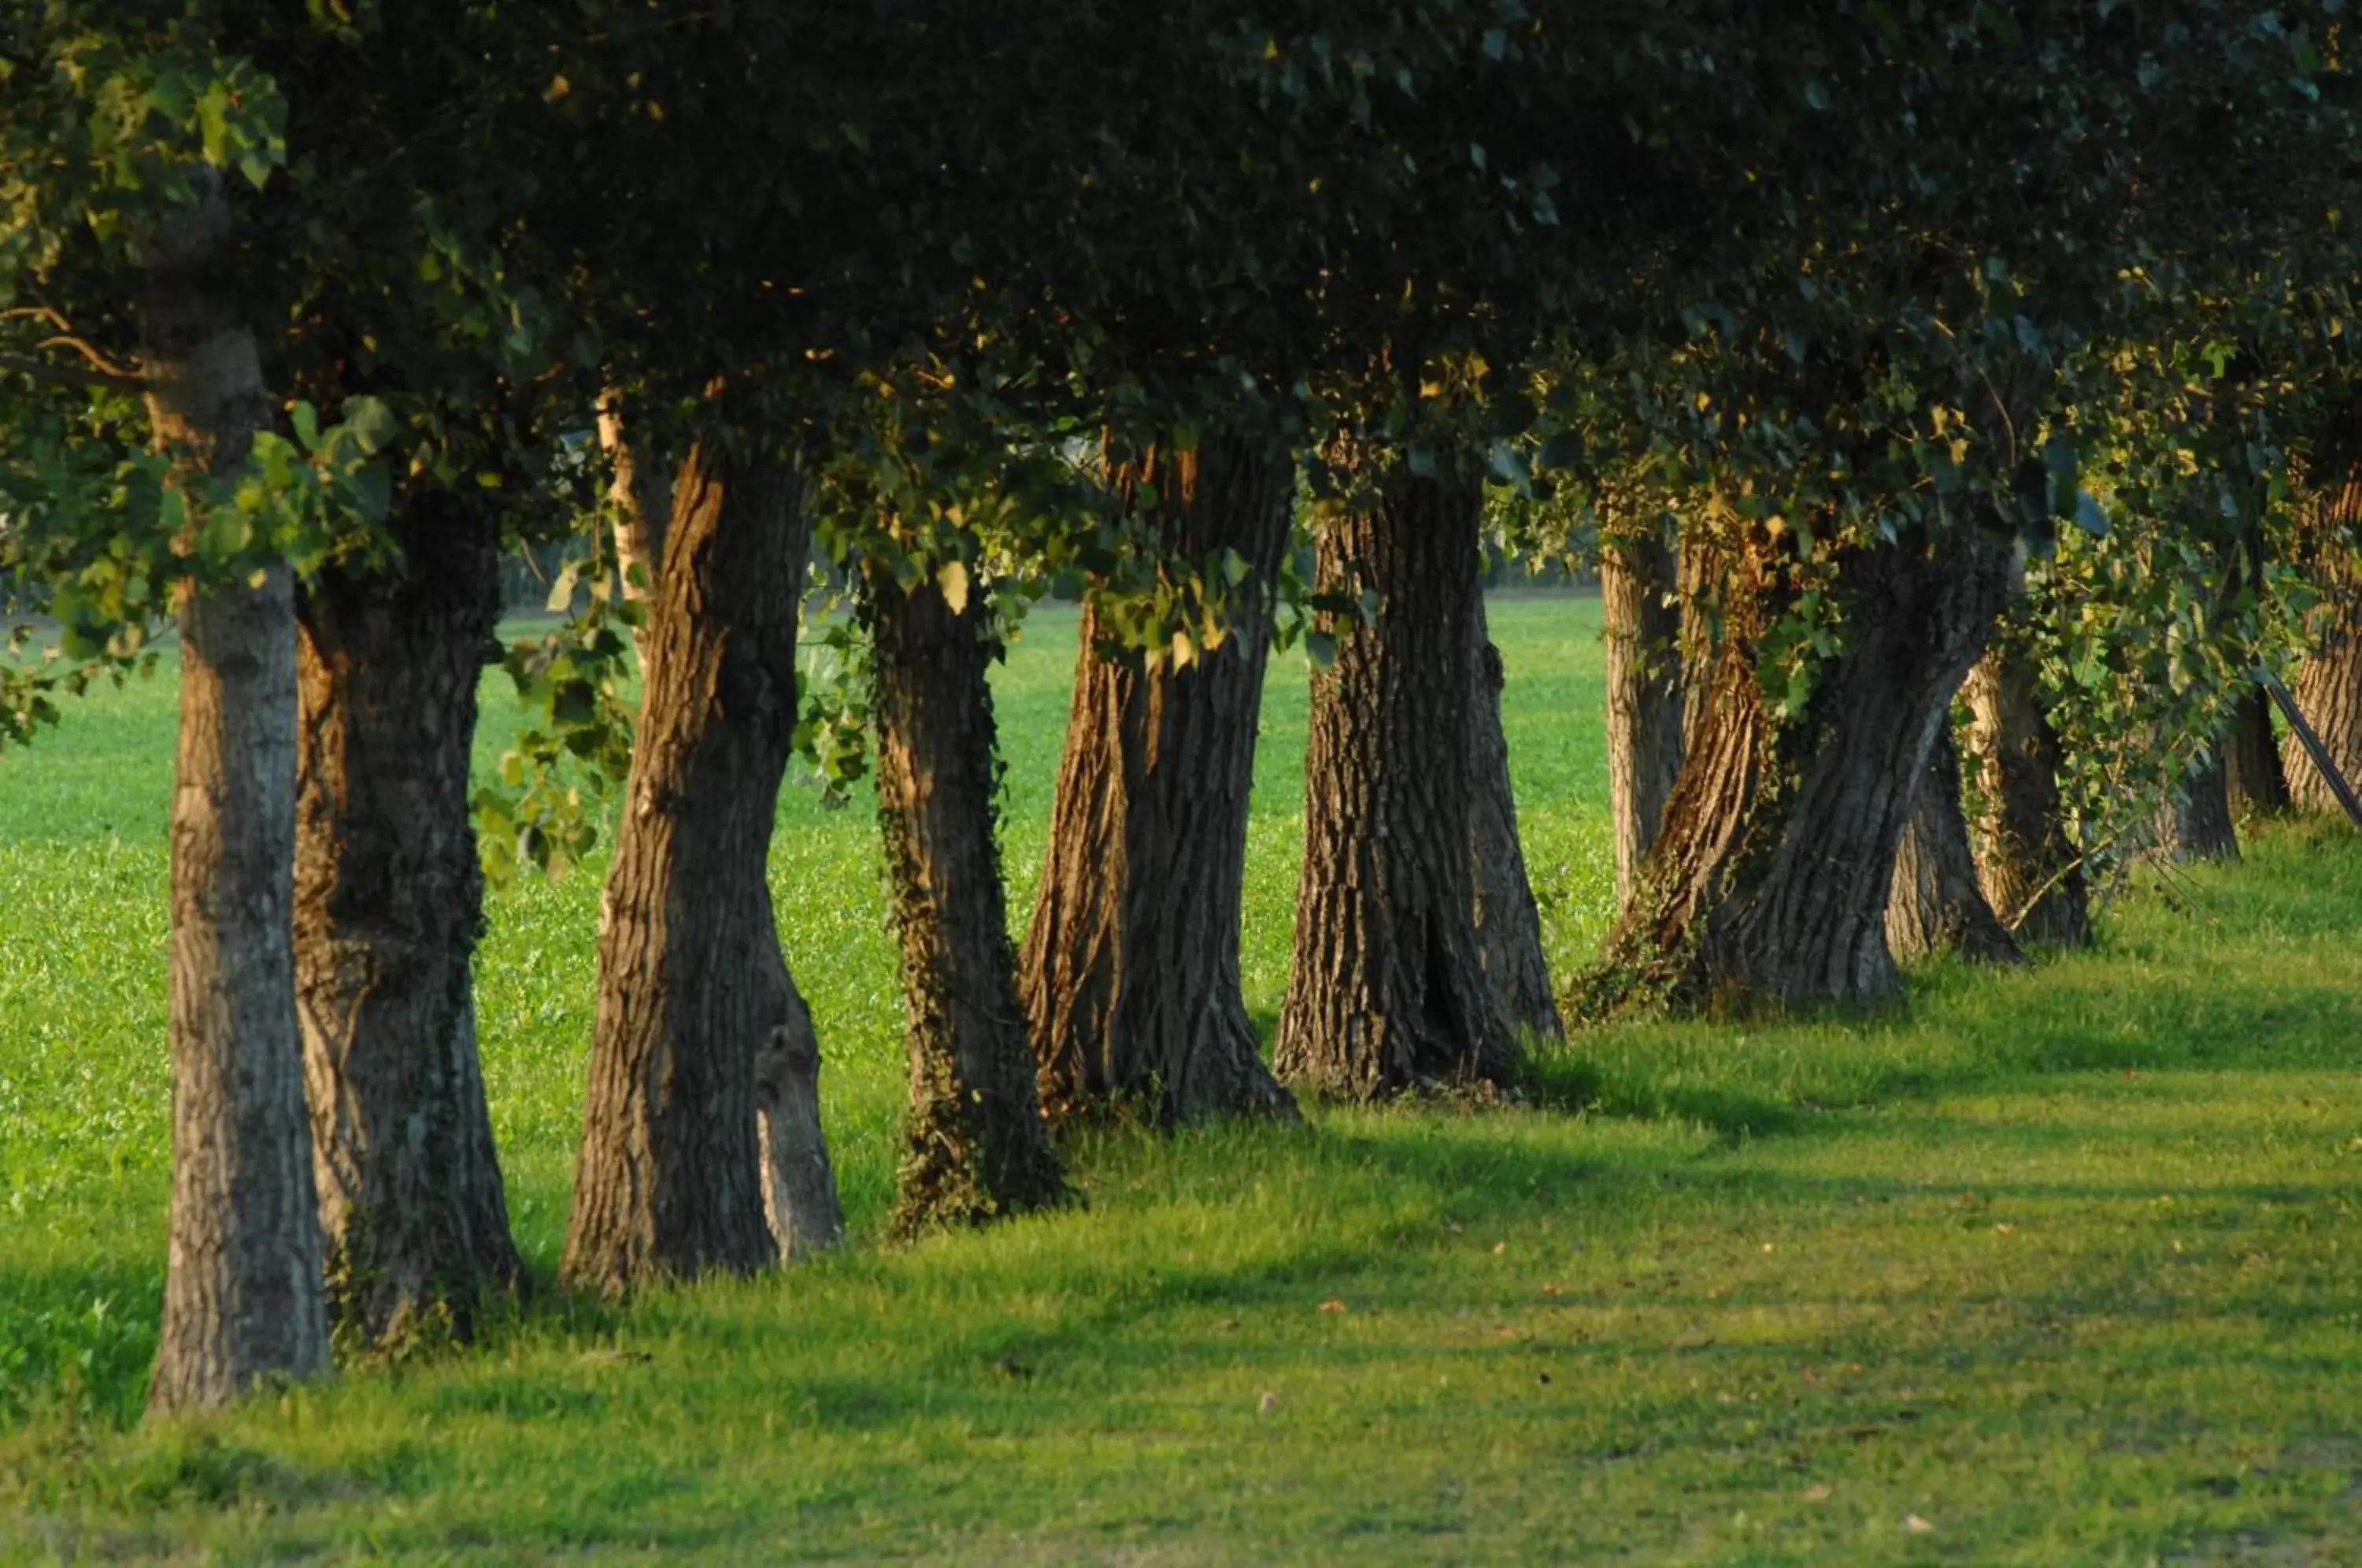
(1389, 990)
(1640, 606)
(1936, 905)
(692, 984)
(1130, 974)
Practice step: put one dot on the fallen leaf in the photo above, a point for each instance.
(1916, 1525)
(1819, 1493)
(1267, 1403)
(1500, 1247)
(1332, 1305)
(1551, 1288)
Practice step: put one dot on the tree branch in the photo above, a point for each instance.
(68, 376)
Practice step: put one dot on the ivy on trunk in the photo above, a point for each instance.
(976, 1146)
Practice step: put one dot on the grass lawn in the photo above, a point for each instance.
(2061, 1266)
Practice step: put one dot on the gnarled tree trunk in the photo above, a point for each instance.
(1640, 603)
(2033, 877)
(799, 1184)
(1770, 883)
(243, 1289)
(693, 987)
(1937, 904)
(1508, 925)
(389, 899)
(976, 1146)
(1389, 990)
(1130, 975)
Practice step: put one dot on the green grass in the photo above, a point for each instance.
(2066, 1265)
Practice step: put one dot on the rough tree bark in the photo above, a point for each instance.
(1389, 991)
(2194, 822)
(243, 1288)
(976, 1146)
(2032, 875)
(1936, 904)
(1640, 603)
(1508, 924)
(693, 991)
(389, 901)
(2328, 685)
(1130, 974)
(1770, 883)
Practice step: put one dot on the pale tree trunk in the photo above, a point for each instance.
(389, 899)
(694, 995)
(1640, 602)
(799, 1198)
(976, 1147)
(1130, 974)
(1389, 991)
(1770, 883)
(244, 1296)
(1508, 925)
(640, 499)
(2033, 876)
(1935, 905)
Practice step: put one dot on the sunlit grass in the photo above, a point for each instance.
(2061, 1264)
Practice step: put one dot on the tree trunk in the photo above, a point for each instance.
(639, 500)
(692, 988)
(1389, 991)
(976, 1143)
(1937, 904)
(2194, 822)
(2328, 686)
(1129, 976)
(389, 901)
(2033, 877)
(1769, 883)
(799, 1184)
(1508, 925)
(243, 1288)
(2252, 752)
(1640, 602)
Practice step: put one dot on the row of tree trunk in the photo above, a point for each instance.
(326, 899)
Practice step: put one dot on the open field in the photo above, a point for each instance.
(2062, 1266)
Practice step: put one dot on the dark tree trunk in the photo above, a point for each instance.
(2252, 755)
(389, 901)
(693, 987)
(1389, 990)
(2328, 686)
(1769, 883)
(976, 1146)
(1129, 976)
(1640, 602)
(1508, 925)
(2033, 877)
(243, 1290)
(2194, 822)
(1937, 904)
